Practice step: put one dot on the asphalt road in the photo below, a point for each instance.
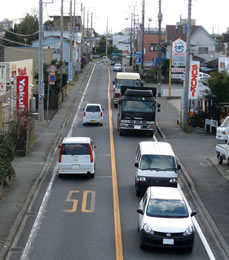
(77, 221)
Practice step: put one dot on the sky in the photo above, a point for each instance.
(115, 14)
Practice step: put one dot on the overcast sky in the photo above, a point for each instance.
(212, 15)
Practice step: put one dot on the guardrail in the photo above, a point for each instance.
(211, 124)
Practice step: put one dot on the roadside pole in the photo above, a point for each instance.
(187, 68)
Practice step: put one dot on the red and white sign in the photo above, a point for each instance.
(193, 81)
(22, 93)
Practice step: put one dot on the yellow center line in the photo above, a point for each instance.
(117, 223)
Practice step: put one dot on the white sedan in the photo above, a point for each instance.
(93, 114)
(164, 219)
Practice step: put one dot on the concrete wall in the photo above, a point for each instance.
(18, 54)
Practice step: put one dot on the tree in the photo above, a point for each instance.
(219, 85)
(28, 26)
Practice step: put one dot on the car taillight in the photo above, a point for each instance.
(91, 154)
(60, 154)
(84, 113)
(101, 114)
(117, 94)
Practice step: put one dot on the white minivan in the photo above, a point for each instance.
(155, 165)
(77, 156)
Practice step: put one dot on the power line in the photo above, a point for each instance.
(19, 43)
(18, 34)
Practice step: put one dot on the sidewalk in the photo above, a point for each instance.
(31, 169)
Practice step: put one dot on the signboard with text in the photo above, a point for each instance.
(178, 59)
(194, 79)
(22, 91)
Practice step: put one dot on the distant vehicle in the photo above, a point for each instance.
(164, 219)
(124, 79)
(104, 59)
(128, 56)
(117, 67)
(203, 75)
(222, 152)
(77, 156)
(116, 56)
(93, 114)
(222, 131)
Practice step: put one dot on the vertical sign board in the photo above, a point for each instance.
(70, 71)
(3, 72)
(223, 64)
(193, 80)
(138, 58)
(178, 58)
(22, 93)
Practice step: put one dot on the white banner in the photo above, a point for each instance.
(193, 79)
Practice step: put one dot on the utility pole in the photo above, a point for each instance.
(106, 37)
(187, 67)
(41, 73)
(142, 36)
(61, 45)
(70, 67)
(159, 48)
(131, 40)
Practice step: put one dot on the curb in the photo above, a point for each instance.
(36, 185)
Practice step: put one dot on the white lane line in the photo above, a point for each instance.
(40, 215)
(199, 231)
(84, 93)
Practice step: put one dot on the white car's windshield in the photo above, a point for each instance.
(157, 162)
(167, 208)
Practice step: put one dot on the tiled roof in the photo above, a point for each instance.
(174, 32)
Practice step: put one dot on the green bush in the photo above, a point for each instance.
(7, 147)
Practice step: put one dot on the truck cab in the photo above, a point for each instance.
(137, 110)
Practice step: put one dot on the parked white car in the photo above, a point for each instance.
(164, 219)
(222, 131)
(77, 156)
(93, 114)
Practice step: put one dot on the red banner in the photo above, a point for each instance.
(22, 93)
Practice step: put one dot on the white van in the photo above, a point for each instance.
(155, 165)
(124, 79)
(77, 156)
(222, 131)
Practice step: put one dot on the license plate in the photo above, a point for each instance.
(92, 121)
(168, 241)
(75, 166)
(137, 127)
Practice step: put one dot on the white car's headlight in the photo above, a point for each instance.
(188, 231)
(141, 178)
(148, 229)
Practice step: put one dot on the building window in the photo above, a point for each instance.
(153, 47)
(57, 51)
(203, 50)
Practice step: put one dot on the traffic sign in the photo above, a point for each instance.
(52, 79)
(52, 68)
(138, 58)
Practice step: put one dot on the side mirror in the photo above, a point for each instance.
(140, 211)
(83, 109)
(103, 109)
(193, 213)
(113, 82)
(178, 167)
(95, 146)
(59, 146)
(136, 165)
